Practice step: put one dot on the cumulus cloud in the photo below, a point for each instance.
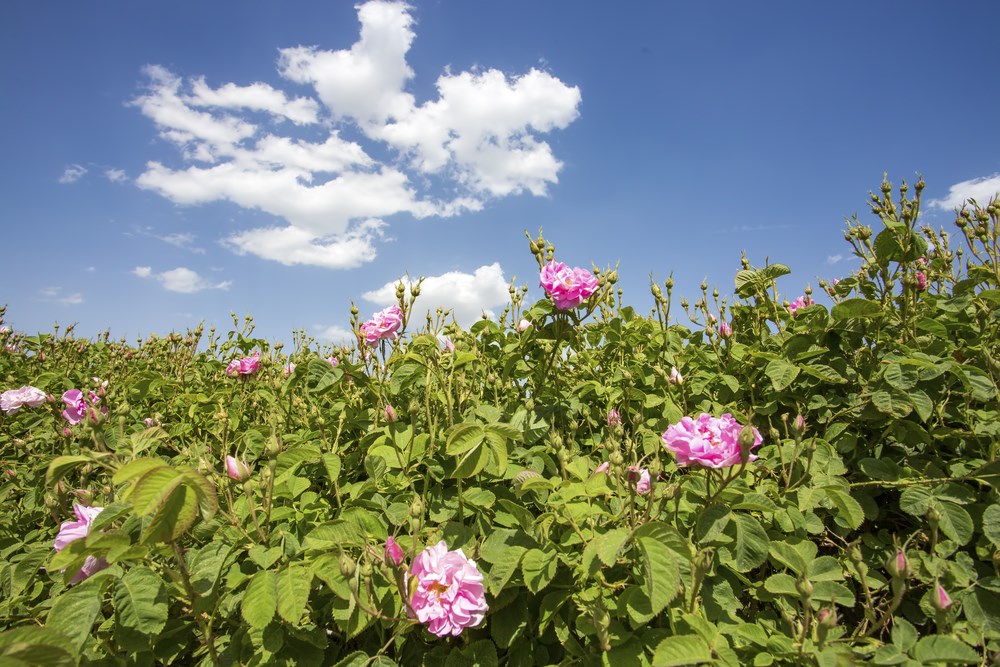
(335, 334)
(981, 189)
(468, 295)
(181, 280)
(115, 175)
(478, 140)
(72, 173)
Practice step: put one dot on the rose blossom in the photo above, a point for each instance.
(446, 343)
(708, 441)
(393, 552)
(941, 599)
(390, 414)
(384, 325)
(603, 468)
(289, 369)
(76, 407)
(70, 531)
(640, 476)
(244, 366)
(237, 469)
(800, 302)
(675, 376)
(614, 418)
(449, 592)
(14, 399)
(333, 361)
(921, 281)
(725, 330)
(522, 325)
(567, 287)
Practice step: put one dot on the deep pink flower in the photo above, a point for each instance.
(708, 441)
(14, 399)
(614, 418)
(567, 287)
(921, 281)
(801, 302)
(244, 366)
(70, 531)
(725, 330)
(76, 406)
(449, 593)
(393, 552)
(639, 477)
(237, 469)
(384, 325)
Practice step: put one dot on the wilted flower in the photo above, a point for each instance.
(921, 281)
(14, 399)
(713, 442)
(675, 376)
(640, 477)
(70, 531)
(614, 418)
(237, 469)
(244, 366)
(725, 330)
(449, 594)
(567, 287)
(522, 325)
(393, 552)
(800, 302)
(384, 325)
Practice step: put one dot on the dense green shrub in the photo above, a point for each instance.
(867, 529)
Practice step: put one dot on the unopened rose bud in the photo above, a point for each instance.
(675, 376)
(940, 599)
(804, 587)
(236, 469)
(417, 508)
(746, 440)
(390, 414)
(347, 566)
(897, 565)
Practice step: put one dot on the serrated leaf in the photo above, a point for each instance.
(782, 373)
(137, 468)
(260, 600)
(331, 463)
(848, 508)
(503, 568)
(661, 572)
(538, 568)
(860, 308)
(173, 517)
(293, 584)
(915, 501)
(605, 547)
(31, 646)
(73, 613)
(141, 602)
(60, 466)
(463, 437)
(751, 544)
(955, 522)
(941, 649)
(679, 650)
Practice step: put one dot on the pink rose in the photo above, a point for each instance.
(76, 407)
(384, 325)
(708, 441)
(244, 366)
(941, 600)
(614, 418)
(603, 468)
(639, 477)
(522, 325)
(567, 287)
(675, 376)
(725, 330)
(390, 414)
(801, 302)
(14, 399)
(70, 531)
(333, 361)
(449, 594)
(289, 369)
(446, 343)
(921, 281)
(237, 469)
(393, 552)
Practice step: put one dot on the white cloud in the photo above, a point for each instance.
(479, 139)
(833, 259)
(55, 295)
(73, 173)
(981, 189)
(467, 295)
(335, 334)
(115, 175)
(181, 280)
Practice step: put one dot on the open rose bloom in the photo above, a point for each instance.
(449, 593)
(70, 531)
(567, 287)
(384, 325)
(13, 400)
(244, 366)
(712, 442)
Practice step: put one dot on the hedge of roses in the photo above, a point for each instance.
(778, 482)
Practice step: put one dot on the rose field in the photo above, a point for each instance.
(745, 479)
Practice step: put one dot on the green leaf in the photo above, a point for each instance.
(904, 635)
(605, 547)
(679, 650)
(464, 437)
(141, 602)
(137, 468)
(538, 568)
(991, 524)
(73, 613)
(860, 308)
(781, 584)
(504, 568)
(944, 650)
(31, 646)
(293, 584)
(331, 463)
(260, 600)
(472, 461)
(750, 549)
(891, 403)
(848, 509)
(955, 522)
(60, 466)
(173, 516)
(794, 553)
(662, 573)
(899, 376)
(915, 500)
(782, 373)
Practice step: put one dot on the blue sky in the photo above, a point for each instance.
(167, 163)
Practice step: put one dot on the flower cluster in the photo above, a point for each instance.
(713, 442)
(384, 325)
(244, 366)
(14, 399)
(567, 287)
(70, 531)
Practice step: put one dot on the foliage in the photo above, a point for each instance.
(876, 484)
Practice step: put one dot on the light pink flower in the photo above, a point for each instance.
(390, 414)
(921, 281)
(708, 441)
(14, 399)
(393, 552)
(941, 598)
(449, 594)
(289, 369)
(70, 531)
(333, 361)
(76, 406)
(725, 330)
(639, 477)
(237, 469)
(244, 366)
(603, 468)
(522, 325)
(446, 343)
(675, 376)
(384, 325)
(148, 421)
(801, 302)
(614, 418)
(567, 287)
